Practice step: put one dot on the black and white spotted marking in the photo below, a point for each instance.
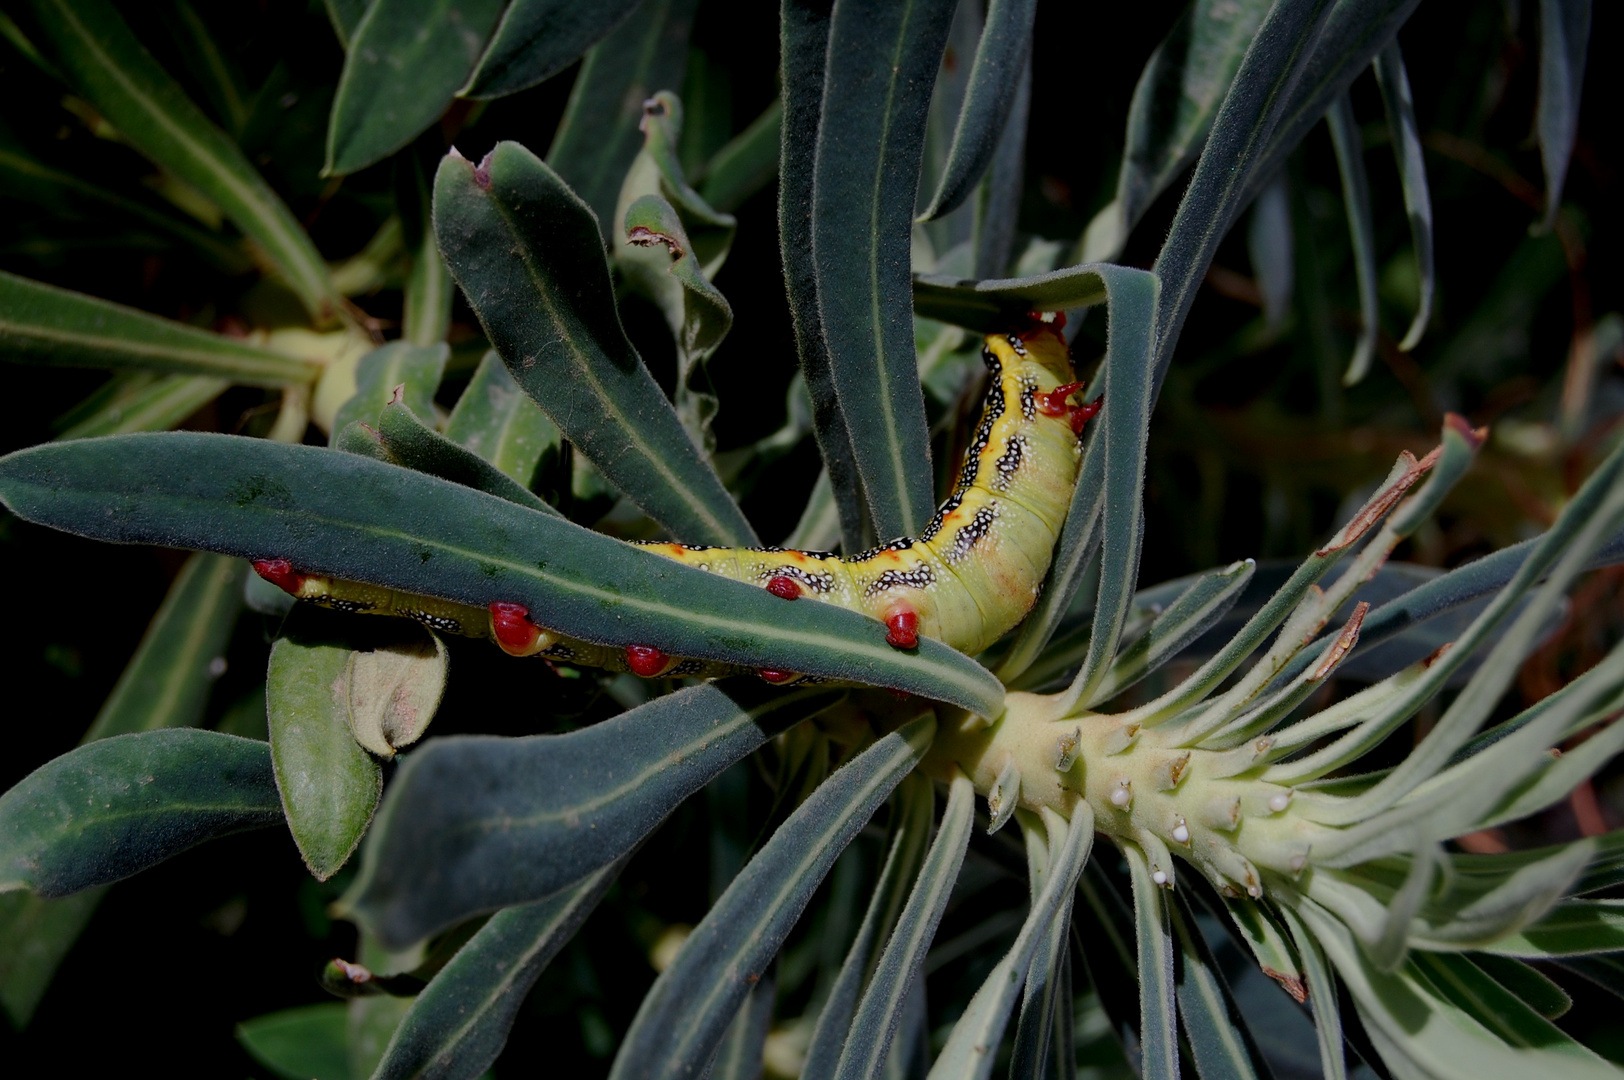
(970, 534)
(350, 607)
(820, 582)
(920, 577)
(434, 622)
(1009, 463)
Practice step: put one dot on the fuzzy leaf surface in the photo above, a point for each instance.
(496, 419)
(537, 39)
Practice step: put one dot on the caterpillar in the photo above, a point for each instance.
(971, 575)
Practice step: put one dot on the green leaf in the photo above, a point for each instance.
(740, 1056)
(114, 807)
(1320, 985)
(1220, 1042)
(35, 936)
(537, 39)
(1174, 103)
(42, 324)
(684, 1016)
(996, 305)
(599, 136)
(746, 164)
(549, 809)
(149, 403)
(698, 314)
(882, 60)
(298, 1044)
(345, 15)
(394, 689)
(121, 79)
(426, 315)
(973, 1044)
(998, 197)
(410, 442)
(460, 1022)
(528, 256)
(1047, 993)
(1572, 928)
(1527, 984)
(1271, 247)
(1350, 163)
(167, 682)
(329, 785)
(1108, 472)
(1564, 38)
(405, 62)
(1158, 1009)
(912, 813)
(1412, 173)
(415, 368)
(804, 46)
(496, 420)
(878, 1016)
(389, 526)
(995, 79)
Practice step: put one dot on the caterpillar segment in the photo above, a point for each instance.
(971, 575)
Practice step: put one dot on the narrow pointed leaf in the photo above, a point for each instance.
(998, 198)
(1158, 1008)
(35, 936)
(882, 60)
(1173, 106)
(390, 526)
(1271, 245)
(1527, 984)
(879, 1015)
(1412, 174)
(114, 807)
(1564, 39)
(746, 164)
(1322, 997)
(154, 404)
(497, 420)
(549, 809)
(426, 306)
(804, 46)
(684, 1016)
(345, 15)
(528, 256)
(995, 78)
(1220, 1041)
(997, 305)
(410, 442)
(973, 1045)
(460, 1021)
(913, 813)
(598, 137)
(329, 785)
(111, 68)
(42, 324)
(405, 63)
(740, 1055)
(1350, 162)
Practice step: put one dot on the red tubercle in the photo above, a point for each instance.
(1040, 322)
(776, 677)
(785, 588)
(902, 628)
(280, 572)
(646, 661)
(513, 630)
(1054, 403)
(1082, 414)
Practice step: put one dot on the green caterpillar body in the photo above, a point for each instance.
(968, 578)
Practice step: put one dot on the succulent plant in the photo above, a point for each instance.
(1189, 776)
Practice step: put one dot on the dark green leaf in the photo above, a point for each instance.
(1412, 174)
(598, 137)
(746, 164)
(1350, 163)
(410, 442)
(46, 325)
(329, 785)
(998, 199)
(882, 60)
(1219, 1039)
(426, 315)
(804, 46)
(549, 809)
(150, 403)
(537, 39)
(121, 79)
(414, 368)
(1564, 38)
(114, 807)
(996, 305)
(682, 1020)
(345, 15)
(740, 1055)
(1173, 106)
(406, 61)
(497, 420)
(460, 1022)
(390, 526)
(528, 256)
(35, 936)
(1158, 1009)
(1528, 984)
(300, 1044)
(995, 80)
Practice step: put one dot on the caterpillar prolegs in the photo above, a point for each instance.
(968, 578)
